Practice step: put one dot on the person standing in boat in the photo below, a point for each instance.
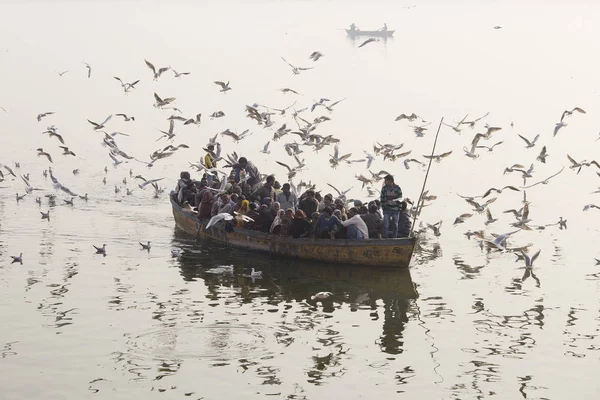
(391, 195)
(384, 29)
(252, 173)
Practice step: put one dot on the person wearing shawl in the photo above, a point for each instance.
(244, 209)
(206, 202)
(300, 226)
(276, 225)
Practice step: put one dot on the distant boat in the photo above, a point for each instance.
(358, 32)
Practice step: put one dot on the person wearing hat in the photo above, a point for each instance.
(391, 195)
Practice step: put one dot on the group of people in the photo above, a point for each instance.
(273, 208)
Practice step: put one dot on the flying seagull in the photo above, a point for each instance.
(369, 40)
(101, 125)
(296, 70)
(224, 86)
(158, 73)
(89, 68)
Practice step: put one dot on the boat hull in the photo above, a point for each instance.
(374, 252)
(351, 32)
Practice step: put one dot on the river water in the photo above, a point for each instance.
(460, 323)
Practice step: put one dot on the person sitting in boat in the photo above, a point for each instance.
(373, 221)
(300, 226)
(206, 203)
(275, 207)
(252, 173)
(231, 205)
(327, 224)
(276, 226)
(355, 226)
(252, 213)
(308, 203)
(243, 210)
(326, 202)
(384, 29)
(353, 27)
(286, 198)
(187, 189)
(266, 190)
(404, 222)
(264, 220)
(218, 204)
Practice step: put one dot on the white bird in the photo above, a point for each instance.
(101, 125)
(217, 218)
(116, 161)
(255, 274)
(100, 250)
(147, 182)
(489, 219)
(296, 70)
(179, 74)
(529, 260)
(532, 143)
(500, 241)
(158, 73)
(224, 86)
(321, 296)
(265, 149)
(162, 102)
(558, 127)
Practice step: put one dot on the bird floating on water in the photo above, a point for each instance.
(17, 259)
(100, 250)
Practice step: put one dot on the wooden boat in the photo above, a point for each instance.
(371, 252)
(358, 32)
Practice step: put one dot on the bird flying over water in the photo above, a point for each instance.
(224, 86)
(156, 73)
(42, 115)
(296, 70)
(89, 68)
(369, 40)
(101, 125)
(315, 55)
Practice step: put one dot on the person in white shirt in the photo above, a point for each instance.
(356, 228)
(287, 199)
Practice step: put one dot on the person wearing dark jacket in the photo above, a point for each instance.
(404, 222)
(300, 226)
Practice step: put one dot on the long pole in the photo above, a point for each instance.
(419, 203)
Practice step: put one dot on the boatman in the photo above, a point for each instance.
(384, 27)
(391, 195)
(353, 27)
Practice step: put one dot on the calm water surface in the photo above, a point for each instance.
(461, 323)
